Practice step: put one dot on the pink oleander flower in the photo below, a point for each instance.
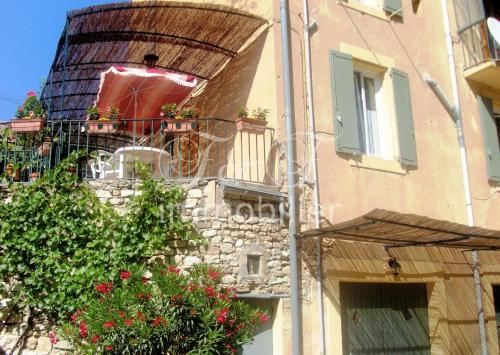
(222, 316)
(31, 93)
(263, 317)
(53, 337)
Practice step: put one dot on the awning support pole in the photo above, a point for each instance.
(465, 174)
(291, 173)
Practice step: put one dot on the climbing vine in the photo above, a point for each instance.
(57, 240)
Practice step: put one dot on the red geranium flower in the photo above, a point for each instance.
(125, 275)
(140, 316)
(109, 324)
(129, 322)
(144, 280)
(95, 339)
(213, 275)
(105, 287)
(108, 347)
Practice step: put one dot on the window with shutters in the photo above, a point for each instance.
(377, 8)
(372, 111)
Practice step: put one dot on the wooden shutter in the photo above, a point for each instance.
(404, 118)
(344, 103)
(490, 134)
(392, 6)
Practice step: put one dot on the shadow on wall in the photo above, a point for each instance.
(230, 89)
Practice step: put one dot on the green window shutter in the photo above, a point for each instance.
(393, 6)
(404, 118)
(344, 103)
(490, 137)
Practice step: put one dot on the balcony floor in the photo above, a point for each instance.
(486, 73)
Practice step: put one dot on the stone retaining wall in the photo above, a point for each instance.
(246, 238)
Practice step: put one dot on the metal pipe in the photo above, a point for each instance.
(292, 203)
(465, 174)
(314, 165)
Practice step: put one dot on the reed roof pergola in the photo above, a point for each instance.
(192, 38)
(393, 230)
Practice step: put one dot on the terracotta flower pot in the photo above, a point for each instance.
(32, 125)
(251, 125)
(102, 126)
(179, 126)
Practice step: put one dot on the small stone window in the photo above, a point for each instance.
(253, 264)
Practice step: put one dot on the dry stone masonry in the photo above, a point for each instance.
(247, 238)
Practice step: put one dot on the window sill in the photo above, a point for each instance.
(378, 13)
(377, 163)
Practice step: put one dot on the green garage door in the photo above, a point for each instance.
(384, 319)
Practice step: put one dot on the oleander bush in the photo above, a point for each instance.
(165, 311)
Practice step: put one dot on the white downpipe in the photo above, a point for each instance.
(313, 159)
(465, 174)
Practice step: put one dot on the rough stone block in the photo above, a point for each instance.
(209, 233)
(195, 193)
(103, 194)
(226, 248)
(191, 260)
(127, 193)
(190, 203)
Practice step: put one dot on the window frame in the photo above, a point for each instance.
(379, 110)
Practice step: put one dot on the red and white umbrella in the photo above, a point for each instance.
(140, 93)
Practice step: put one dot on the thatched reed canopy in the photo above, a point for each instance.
(395, 229)
(197, 39)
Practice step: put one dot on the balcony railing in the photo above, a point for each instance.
(478, 44)
(203, 148)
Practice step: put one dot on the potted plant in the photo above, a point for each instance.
(13, 171)
(45, 142)
(256, 123)
(30, 117)
(107, 124)
(183, 121)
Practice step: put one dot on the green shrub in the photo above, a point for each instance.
(56, 238)
(170, 312)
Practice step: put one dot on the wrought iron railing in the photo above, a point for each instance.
(199, 148)
(478, 44)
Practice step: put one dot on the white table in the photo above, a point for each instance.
(156, 159)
